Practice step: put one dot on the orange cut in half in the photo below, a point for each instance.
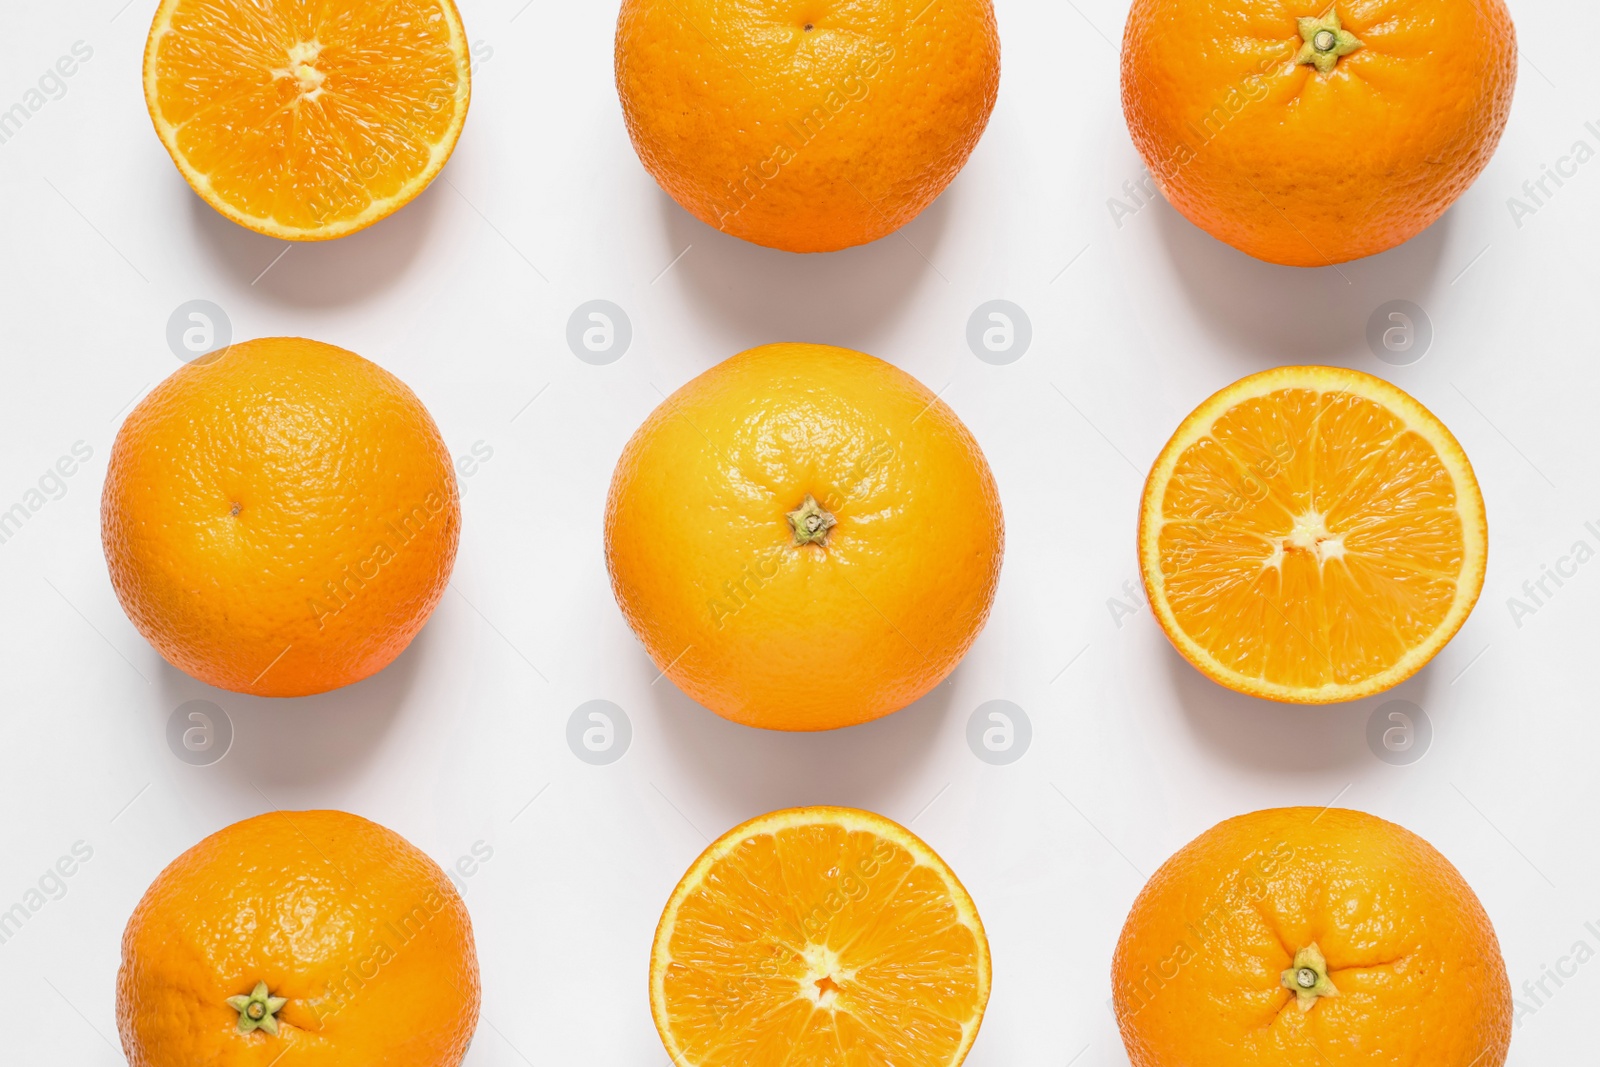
(819, 937)
(307, 121)
(1311, 535)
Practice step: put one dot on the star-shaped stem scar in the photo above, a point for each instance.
(1326, 41)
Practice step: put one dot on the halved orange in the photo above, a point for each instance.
(819, 937)
(1311, 534)
(307, 121)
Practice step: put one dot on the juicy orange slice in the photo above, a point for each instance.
(1311, 534)
(307, 120)
(816, 937)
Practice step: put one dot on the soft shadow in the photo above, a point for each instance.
(319, 273)
(294, 740)
(763, 770)
(1296, 314)
(1268, 736)
(852, 297)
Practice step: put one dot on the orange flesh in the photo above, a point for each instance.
(297, 118)
(815, 945)
(1310, 538)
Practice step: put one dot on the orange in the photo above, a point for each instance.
(807, 126)
(804, 537)
(1306, 936)
(819, 937)
(316, 937)
(1310, 133)
(280, 518)
(307, 121)
(1311, 534)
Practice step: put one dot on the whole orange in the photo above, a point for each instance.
(280, 518)
(1309, 134)
(804, 537)
(1310, 936)
(314, 936)
(806, 126)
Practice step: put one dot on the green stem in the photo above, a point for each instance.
(259, 1010)
(810, 523)
(1307, 978)
(1326, 42)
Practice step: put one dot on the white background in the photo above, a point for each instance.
(465, 295)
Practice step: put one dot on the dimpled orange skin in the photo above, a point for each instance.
(282, 520)
(806, 140)
(773, 634)
(1415, 962)
(1305, 168)
(360, 931)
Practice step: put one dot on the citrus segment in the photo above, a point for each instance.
(304, 121)
(819, 936)
(1312, 534)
